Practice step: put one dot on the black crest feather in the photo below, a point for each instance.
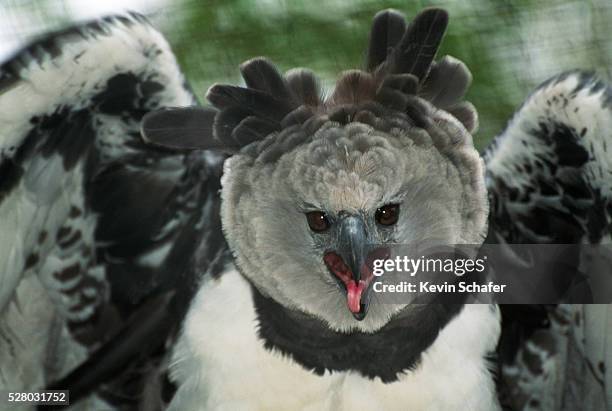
(162, 127)
(399, 59)
(260, 74)
(225, 123)
(465, 112)
(447, 82)
(353, 87)
(258, 102)
(305, 86)
(388, 28)
(419, 45)
(252, 129)
(405, 83)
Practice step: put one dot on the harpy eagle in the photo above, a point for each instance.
(226, 248)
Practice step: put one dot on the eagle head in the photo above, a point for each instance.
(317, 187)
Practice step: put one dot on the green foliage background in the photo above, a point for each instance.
(510, 46)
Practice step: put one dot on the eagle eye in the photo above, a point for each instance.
(387, 214)
(317, 221)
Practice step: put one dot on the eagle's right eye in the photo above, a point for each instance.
(317, 221)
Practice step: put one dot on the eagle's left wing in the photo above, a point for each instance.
(549, 177)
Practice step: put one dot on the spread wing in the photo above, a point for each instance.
(549, 176)
(102, 238)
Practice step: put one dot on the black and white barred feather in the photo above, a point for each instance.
(550, 172)
(98, 232)
(549, 178)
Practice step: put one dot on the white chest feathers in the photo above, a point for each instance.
(220, 363)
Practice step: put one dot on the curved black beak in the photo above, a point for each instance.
(348, 263)
(352, 243)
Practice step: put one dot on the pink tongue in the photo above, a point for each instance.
(353, 295)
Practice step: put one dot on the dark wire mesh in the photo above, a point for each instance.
(509, 46)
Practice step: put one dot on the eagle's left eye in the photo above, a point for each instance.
(387, 214)
(317, 221)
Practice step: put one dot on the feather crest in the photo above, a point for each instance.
(399, 71)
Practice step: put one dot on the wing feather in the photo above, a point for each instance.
(549, 180)
(93, 221)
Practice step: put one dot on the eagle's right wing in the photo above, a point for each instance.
(102, 237)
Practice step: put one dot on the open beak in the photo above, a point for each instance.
(349, 263)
